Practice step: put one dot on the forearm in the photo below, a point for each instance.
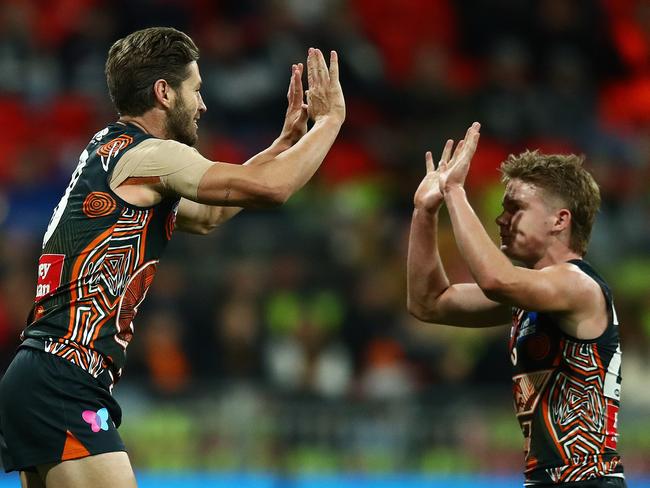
(207, 217)
(273, 181)
(218, 215)
(426, 277)
(276, 148)
(291, 169)
(487, 264)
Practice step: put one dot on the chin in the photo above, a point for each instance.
(507, 250)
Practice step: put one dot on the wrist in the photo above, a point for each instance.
(281, 144)
(425, 217)
(428, 209)
(454, 191)
(329, 119)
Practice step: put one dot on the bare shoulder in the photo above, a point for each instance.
(575, 282)
(588, 316)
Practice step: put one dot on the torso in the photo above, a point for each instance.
(99, 258)
(567, 394)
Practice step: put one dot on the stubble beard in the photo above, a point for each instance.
(180, 124)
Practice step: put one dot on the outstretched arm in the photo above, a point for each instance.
(199, 218)
(274, 181)
(430, 297)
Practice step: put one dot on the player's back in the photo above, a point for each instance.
(99, 258)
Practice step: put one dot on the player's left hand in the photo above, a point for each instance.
(428, 196)
(454, 171)
(295, 120)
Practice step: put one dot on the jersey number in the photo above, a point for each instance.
(60, 208)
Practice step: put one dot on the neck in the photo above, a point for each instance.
(556, 255)
(152, 122)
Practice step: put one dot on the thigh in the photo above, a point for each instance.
(30, 480)
(101, 471)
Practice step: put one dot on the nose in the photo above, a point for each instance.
(501, 219)
(202, 107)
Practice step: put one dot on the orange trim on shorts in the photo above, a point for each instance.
(73, 448)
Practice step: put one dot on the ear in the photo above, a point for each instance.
(164, 93)
(563, 219)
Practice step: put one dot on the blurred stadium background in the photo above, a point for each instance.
(277, 351)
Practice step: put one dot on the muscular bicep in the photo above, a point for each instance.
(465, 305)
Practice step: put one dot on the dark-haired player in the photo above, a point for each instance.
(136, 181)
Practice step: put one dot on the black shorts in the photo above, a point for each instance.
(51, 411)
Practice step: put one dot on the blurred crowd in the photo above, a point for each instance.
(309, 299)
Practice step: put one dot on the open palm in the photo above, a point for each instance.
(428, 195)
(453, 171)
(295, 120)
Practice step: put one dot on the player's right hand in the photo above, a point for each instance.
(428, 195)
(324, 94)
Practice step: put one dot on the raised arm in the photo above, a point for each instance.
(430, 296)
(274, 181)
(200, 218)
(559, 288)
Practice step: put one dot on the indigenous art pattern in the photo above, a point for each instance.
(566, 395)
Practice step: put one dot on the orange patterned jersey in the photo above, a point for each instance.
(566, 394)
(99, 259)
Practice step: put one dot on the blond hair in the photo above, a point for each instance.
(561, 176)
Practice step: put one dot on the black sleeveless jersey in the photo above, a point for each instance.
(566, 394)
(99, 259)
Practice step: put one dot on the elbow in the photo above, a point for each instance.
(266, 194)
(273, 196)
(276, 197)
(201, 229)
(419, 311)
(206, 228)
(272, 189)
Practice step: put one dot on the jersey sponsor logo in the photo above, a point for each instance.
(112, 148)
(50, 269)
(528, 326)
(98, 204)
